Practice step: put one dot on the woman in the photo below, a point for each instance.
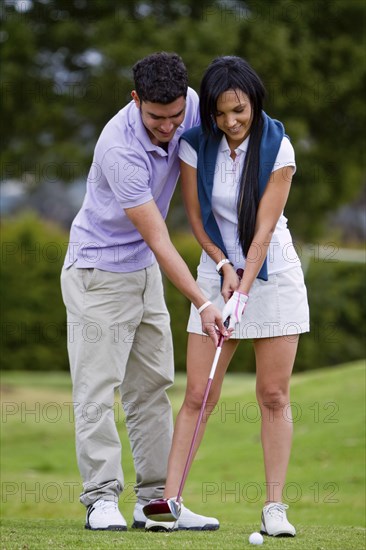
(236, 172)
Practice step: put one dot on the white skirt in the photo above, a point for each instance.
(277, 307)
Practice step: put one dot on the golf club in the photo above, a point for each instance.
(168, 509)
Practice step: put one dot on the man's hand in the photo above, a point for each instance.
(234, 308)
(212, 323)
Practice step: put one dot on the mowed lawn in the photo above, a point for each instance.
(325, 485)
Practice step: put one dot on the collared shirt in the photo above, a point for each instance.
(281, 253)
(127, 170)
(226, 184)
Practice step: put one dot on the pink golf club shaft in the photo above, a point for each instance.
(207, 390)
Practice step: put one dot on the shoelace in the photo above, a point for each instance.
(276, 510)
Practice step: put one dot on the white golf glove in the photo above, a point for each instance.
(234, 308)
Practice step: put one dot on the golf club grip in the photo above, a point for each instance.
(221, 337)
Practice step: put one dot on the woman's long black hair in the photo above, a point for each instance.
(234, 73)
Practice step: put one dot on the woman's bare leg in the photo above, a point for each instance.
(200, 355)
(274, 362)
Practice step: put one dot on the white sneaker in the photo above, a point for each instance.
(188, 521)
(274, 521)
(104, 515)
(166, 526)
(140, 521)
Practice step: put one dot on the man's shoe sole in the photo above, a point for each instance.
(138, 524)
(159, 529)
(154, 528)
(141, 525)
(207, 527)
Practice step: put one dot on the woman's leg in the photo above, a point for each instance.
(200, 355)
(274, 362)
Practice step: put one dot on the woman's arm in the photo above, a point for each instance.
(269, 211)
(192, 205)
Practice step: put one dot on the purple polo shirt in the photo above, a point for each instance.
(127, 170)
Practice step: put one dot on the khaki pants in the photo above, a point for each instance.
(119, 337)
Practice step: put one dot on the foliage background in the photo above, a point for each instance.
(33, 316)
(66, 69)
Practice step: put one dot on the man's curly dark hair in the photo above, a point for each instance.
(160, 78)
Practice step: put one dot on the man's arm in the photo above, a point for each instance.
(191, 202)
(149, 222)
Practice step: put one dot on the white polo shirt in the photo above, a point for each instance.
(281, 254)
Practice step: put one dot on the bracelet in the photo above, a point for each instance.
(222, 263)
(203, 307)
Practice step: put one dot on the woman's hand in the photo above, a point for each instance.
(230, 282)
(234, 308)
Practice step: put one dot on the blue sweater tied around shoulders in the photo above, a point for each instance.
(207, 149)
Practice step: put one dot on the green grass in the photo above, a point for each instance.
(325, 484)
(67, 534)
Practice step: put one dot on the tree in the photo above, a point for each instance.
(67, 70)
(312, 58)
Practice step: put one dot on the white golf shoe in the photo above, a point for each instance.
(140, 521)
(104, 515)
(275, 522)
(188, 521)
(157, 526)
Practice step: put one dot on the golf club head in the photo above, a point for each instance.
(162, 509)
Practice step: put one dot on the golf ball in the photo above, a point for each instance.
(256, 538)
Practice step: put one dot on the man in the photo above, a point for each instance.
(118, 326)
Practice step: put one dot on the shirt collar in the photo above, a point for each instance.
(242, 148)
